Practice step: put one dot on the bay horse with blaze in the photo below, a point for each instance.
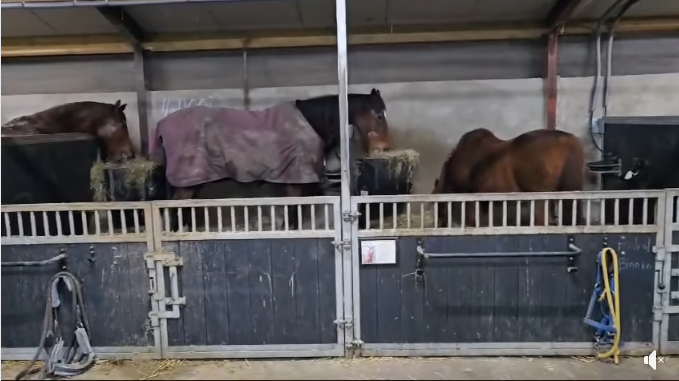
(536, 161)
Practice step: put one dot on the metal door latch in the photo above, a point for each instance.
(342, 245)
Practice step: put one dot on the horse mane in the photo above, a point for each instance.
(71, 115)
(322, 113)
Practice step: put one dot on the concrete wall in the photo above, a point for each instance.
(434, 92)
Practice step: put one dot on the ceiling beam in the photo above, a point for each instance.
(124, 23)
(563, 10)
(115, 44)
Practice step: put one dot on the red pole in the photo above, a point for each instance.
(550, 80)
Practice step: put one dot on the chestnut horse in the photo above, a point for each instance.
(105, 121)
(536, 161)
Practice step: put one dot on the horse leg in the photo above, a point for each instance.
(181, 194)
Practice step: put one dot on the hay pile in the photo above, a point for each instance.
(400, 160)
(138, 172)
(418, 220)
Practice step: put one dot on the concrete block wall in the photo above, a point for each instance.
(425, 114)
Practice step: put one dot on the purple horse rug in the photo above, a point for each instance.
(202, 144)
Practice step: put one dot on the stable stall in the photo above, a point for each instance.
(357, 272)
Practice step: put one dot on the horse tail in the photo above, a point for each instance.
(572, 178)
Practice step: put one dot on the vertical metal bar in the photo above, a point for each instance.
(58, 218)
(97, 222)
(588, 213)
(220, 221)
(45, 222)
(259, 218)
(141, 88)
(109, 221)
(166, 219)
(300, 218)
(286, 217)
(560, 221)
(136, 221)
(20, 223)
(504, 213)
(463, 217)
(663, 270)
(394, 216)
(313, 217)
(326, 217)
(8, 226)
(233, 219)
(246, 218)
(351, 287)
(123, 223)
(273, 217)
(408, 207)
(490, 214)
(450, 214)
(246, 80)
(381, 216)
(193, 220)
(71, 224)
(33, 225)
(630, 212)
(645, 212)
(206, 216)
(367, 216)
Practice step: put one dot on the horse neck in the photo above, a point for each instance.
(323, 116)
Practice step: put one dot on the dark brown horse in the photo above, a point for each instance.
(367, 113)
(104, 120)
(270, 152)
(536, 161)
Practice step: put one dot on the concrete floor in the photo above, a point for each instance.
(573, 368)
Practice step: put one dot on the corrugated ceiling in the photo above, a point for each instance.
(298, 14)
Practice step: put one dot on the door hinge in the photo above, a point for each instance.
(658, 312)
(342, 245)
(350, 216)
(354, 344)
(348, 323)
(660, 253)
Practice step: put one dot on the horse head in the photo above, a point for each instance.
(368, 113)
(115, 135)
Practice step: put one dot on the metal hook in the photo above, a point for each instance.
(92, 259)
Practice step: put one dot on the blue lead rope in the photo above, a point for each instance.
(605, 329)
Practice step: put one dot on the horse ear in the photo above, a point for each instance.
(118, 102)
(375, 92)
(121, 108)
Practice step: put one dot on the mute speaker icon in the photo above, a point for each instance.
(650, 360)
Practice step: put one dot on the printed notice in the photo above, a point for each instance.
(379, 252)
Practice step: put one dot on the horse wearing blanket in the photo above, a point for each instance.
(285, 144)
